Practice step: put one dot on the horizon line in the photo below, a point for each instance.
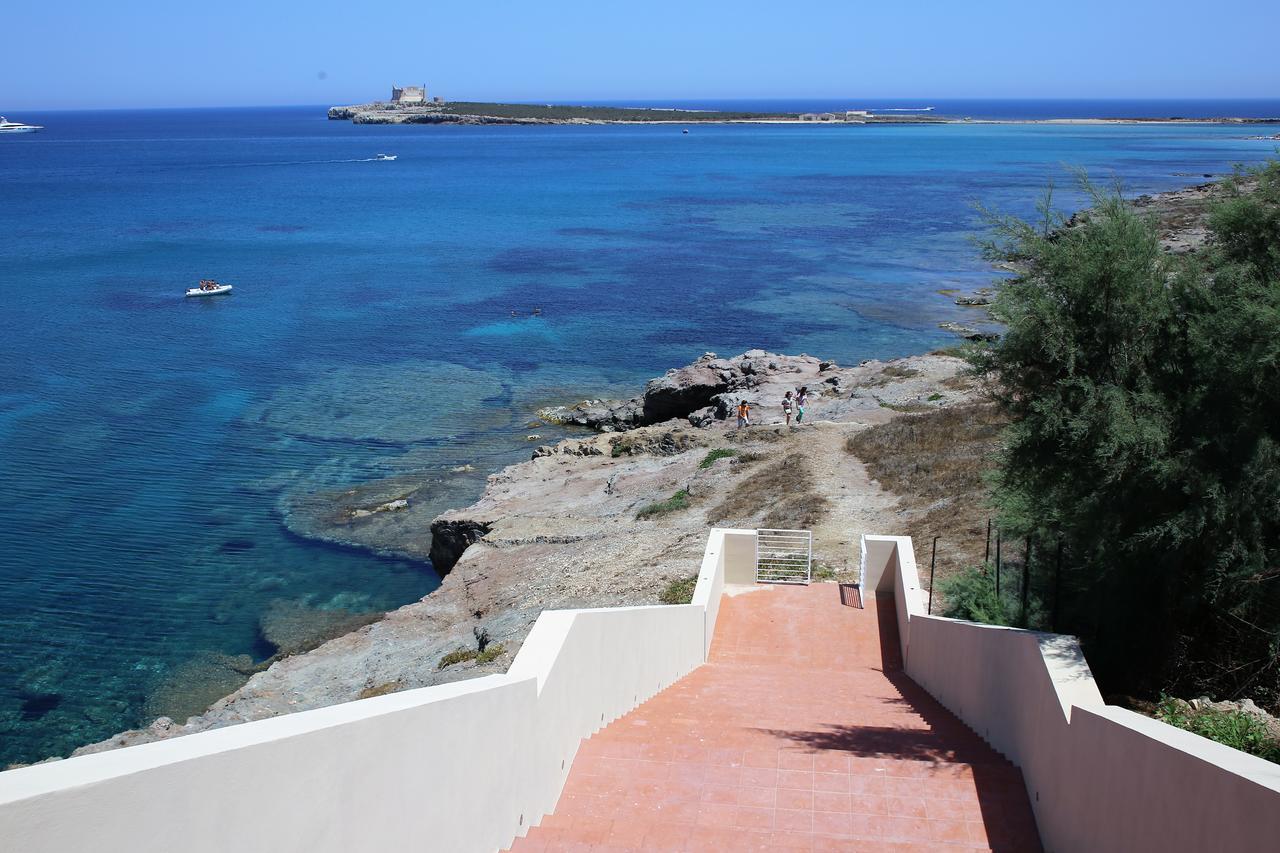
(682, 99)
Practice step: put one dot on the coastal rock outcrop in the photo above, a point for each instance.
(572, 527)
(449, 538)
(702, 392)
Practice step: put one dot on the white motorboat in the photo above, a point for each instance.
(209, 288)
(7, 126)
(387, 157)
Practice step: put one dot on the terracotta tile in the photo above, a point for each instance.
(800, 779)
(829, 761)
(793, 821)
(666, 836)
(717, 814)
(868, 804)
(758, 777)
(719, 794)
(723, 776)
(832, 823)
(791, 760)
(758, 797)
(915, 830)
(750, 817)
(791, 841)
(760, 758)
(839, 783)
(791, 798)
(905, 806)
(949, 831)
(826, 801)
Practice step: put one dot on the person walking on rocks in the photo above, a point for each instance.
(802, 397)
(787, 404)
(744, 414)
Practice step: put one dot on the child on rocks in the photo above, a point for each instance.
(744, 414)
(786, 407)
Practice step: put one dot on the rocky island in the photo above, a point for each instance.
(411, 106)
(471, 112)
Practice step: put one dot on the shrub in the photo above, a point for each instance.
(971, 594)
(1145, 433)
(491, 653)
(678, 501)
(679, 591)
(457, 656)
(1236, 729)
(718, 453)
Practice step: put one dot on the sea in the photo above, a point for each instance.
(382, 325)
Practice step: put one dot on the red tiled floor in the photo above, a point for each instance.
(800, 733)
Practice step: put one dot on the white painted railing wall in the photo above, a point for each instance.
(1100, 778)
(456, 767)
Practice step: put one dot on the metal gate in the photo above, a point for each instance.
(783, 556)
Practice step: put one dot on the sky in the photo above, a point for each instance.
(74, 54)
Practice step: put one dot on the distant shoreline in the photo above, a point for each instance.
(478, 113)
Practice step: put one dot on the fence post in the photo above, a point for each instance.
(986, 555)
(997, 565)
(932, 561)
(1026, 582)
(1057, 585)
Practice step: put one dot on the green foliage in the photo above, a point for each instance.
(457, 656)
(679, 591)
(1235, 729)
(971, 594)
(564, 111)
(1142, 391)
(491, 653)
(934, 397)
(718, 453)
(823, 572)
(680, 500)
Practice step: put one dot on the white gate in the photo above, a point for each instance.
(783, 556)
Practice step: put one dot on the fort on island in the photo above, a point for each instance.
(412, 96)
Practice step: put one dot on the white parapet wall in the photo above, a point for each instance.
(459, 767)
(1100, 778)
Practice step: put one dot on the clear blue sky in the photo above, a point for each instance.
(60, 54)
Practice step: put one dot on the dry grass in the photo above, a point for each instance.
(782, 492)
(381, 689)
(891, 373)
(935, 462)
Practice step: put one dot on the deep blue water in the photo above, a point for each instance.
(149, 443)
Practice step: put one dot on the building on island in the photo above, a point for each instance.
(818, 117)
(857, 116)
(409, 94)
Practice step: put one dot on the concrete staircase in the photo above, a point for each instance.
(800, 733)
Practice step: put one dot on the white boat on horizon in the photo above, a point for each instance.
(385, 157)
(7, 126)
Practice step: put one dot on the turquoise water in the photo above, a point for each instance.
(149, 445)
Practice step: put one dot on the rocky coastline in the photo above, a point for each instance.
(569, 527)
(562, 529)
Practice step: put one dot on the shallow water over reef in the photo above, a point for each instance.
(150, 445)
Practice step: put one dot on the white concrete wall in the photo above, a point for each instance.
(1099, 778)
(457, 767)
(740, 556)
